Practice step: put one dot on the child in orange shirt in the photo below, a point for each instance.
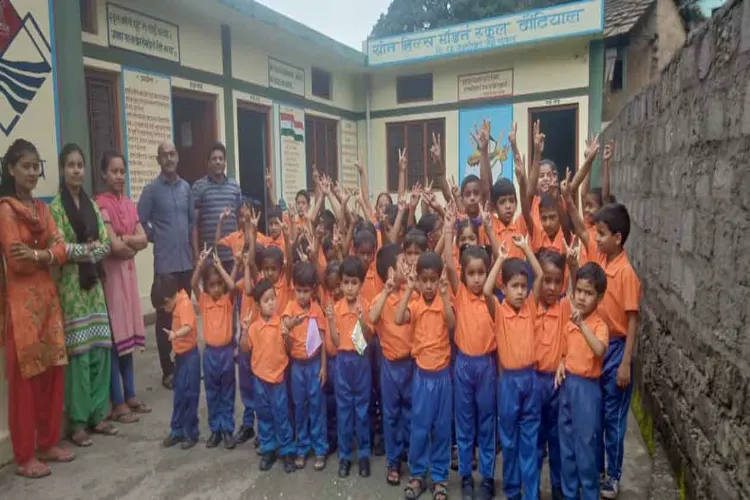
(187, 376)
(397, 365)
(518, 405)
(305, 326)
(269, 361)
(431, 317)
(415, 244)
(586, 338)
(353, 371)
(216, 304)
(332, 293)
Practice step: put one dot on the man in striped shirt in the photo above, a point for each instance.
(213, 194)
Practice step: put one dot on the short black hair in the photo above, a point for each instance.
(597, 194)
(552, 165)
(415, 237)
(468, 180)
(386, 259)
(462, 224)
(165, 287)
(429, 260)
(513, 267)
(333, 267)
(275, 253)
(275, 212)
(261, 288)
(547, 202)
(616, 217)
(551, 256)
(474, 252)
(364, 225)
(217, 146)
(327, 218)
(594, 273)
(259, 251)
(303, 274)
(352, 267)
(365, 237)
(302, 192)
(427, 223)
(502, 187)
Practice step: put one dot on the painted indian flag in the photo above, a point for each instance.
(292, 128)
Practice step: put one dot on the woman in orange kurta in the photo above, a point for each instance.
(32, 325)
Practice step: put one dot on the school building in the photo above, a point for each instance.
(128, 74)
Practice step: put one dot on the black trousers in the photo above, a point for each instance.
(164, 320)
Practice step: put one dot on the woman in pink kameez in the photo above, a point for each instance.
(121, 287)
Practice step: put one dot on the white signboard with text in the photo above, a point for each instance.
(349, 153)
(286, 77)
(490, 85)
(136, 32)
(293, 153)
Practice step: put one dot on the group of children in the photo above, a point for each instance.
(471, 325)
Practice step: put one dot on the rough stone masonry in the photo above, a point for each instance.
(682, 167)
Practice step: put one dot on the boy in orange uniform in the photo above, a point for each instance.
(431, 317)
(269, 361)
(518, 405)
(306, 325)
(619, 310)
(187, 379)
(397, 366)
(353, 371)
(276, 235)
(586, 337)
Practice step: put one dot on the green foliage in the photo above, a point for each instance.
(683, 489)
(645, 422)
(406, 16)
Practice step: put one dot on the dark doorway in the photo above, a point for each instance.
(560, 124)
(194, 117)
(253, 146)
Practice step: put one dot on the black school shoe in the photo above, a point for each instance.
(378, 445)
(487, 489)
(213, 440)
(171, 441)
(244, 435)
(289, 465)
(364, 467)
(345, 467)
(467, 488)
(267, 460)
(188, 443)
(229, 442)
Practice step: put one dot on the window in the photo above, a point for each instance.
(414, 88)
(321, 143)
(88, 15)
(614, 69)
(103, 112)
(416, 136)
(321, 83)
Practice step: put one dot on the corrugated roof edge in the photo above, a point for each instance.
(260, 12)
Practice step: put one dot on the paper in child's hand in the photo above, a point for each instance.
(313, 337)
(358, 339)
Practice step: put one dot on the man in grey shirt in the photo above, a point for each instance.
(166, 211)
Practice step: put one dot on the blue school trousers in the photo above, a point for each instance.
(353, 386)
(519, 416)
(549, 439)
(218, 380)
(272, 410)
(396, 386)
(247, 384)
(615, 405)
(475, 379)
(121, 378)
(187, 391)
(580, 436)
(432, 412)
(329, 391)
(309, 407)
(375, 352)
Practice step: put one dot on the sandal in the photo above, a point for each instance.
(81, 439)
(300, 462)
(440, 491)
(320, 463)
(34, 469)
(414, 489)
(393, 476)
(139, 406)
(104, 428)
(57, 454)
(125, 417)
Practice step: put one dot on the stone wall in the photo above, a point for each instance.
(682, 167)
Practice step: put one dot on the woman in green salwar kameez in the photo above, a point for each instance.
(88, 337)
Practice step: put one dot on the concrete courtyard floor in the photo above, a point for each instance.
(133, 465)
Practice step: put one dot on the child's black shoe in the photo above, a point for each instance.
(171, 440)
(244, 435)
(345, 466)
(188, 443)
(213, 440)
(364, 467)
(487, 489)
(267, 460)
(467, 488)
(289, 466)
(229, 442)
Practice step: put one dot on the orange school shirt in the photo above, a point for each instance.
(298, 334)
(432, 346)
(216, 318)
(248, 302)
(535, 202)
(623, 293)
(475, 328)
(184, 315)
(504, 234)
(372, 285)
(579, 358)
(540, 239)
(268, 356)
(268, 241)
(235, 241)
(325, 299)
(346, 320)
(549, 332)
(395, 340)
(284, 294)
(515, 334)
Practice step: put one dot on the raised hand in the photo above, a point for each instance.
(302, 255)
(520, 241)
(591, 148)
(315, 175)
(403, 203)
(416, 194)
(575, 316)
(435, 150)
(403, 160)
(455, 190)
(512, 136)
(486, 215)
(572, 251)
(481, 135)
(443, 282)
(502, 251)
(329, 311)
(539, 138)
(254, 218)
(450, 215)
(565, 185)
(325, 185)
(411, 277)
(609, 150)
(390, 283)
(204, 254)
(519, 166)
(225, 214)
(359, 167)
